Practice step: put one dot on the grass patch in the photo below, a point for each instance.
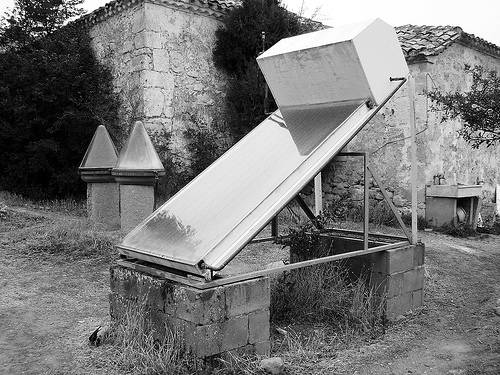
(327, 294)
(133, 345)
(461, 230)
(73, 240)
(74, 206)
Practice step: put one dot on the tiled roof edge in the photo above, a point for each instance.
(211, 8)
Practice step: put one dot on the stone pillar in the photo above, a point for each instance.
(102, 190)
(136, 203)
(103, 203)
(211, 321)
(137, 171)
(398, 274)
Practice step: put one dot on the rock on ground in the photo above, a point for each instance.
(274, 365)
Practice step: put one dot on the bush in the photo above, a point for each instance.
(205, 144)
(53, 95)
(461, 230)
(239, 42)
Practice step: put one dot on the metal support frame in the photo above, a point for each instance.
(366, 205)
(393, 208)
(400, 242)
(413, 149)
(366, 200)
(318, 194)
(199, 284)
(308, 212)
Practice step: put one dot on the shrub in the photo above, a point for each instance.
(461, 230)
(238, 43)
(205, 144)
(53, 95)
(421, 222)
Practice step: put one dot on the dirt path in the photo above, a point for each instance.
(48, 307)
(456, 332)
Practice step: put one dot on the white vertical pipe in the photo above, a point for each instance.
(366, 223)
(414, 166)
(318, 194)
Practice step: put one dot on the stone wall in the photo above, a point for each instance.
(211, 321)
(114, 42)
(161, 59)
(440, 150)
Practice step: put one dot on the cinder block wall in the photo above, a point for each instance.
(211, 321)
(398, 275)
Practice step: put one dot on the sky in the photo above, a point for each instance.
(478, 17)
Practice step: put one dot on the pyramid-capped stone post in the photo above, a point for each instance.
(102, 190)
(137, 171)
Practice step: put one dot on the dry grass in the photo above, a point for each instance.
(326, 293)
(68, 205)
(132, 345)
(72, 240)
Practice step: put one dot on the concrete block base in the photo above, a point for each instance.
(103, 204)
(228, 318)
(398, 274)
(136, 203)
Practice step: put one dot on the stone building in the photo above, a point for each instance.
(436, 57)
(160, 53)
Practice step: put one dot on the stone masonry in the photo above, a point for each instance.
(160, 54)
(136, 203)
(398, 275)
(103, 203)
(211, 321)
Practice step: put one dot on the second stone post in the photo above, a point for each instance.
(137, 171)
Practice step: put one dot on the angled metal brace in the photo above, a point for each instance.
(308, 212)
(391, 205)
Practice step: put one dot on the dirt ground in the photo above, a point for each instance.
(49, 305)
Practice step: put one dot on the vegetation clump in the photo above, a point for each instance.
(238, 43)
(53, 95)
(328, 293)
(479, 107)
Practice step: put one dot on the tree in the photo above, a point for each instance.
(238, 44)
(479, 108)
(32, 19)
(53, 95)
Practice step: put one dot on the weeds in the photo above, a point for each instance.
(69, 205)
(326, 294)
(73, 240)
(134, 345)
(461, 230)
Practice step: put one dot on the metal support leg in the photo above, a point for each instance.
(308, 212)
(411, 95)
(388, 200)
(274, 227)
(366, 202)
(318, 194)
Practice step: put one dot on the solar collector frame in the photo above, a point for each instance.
(186, 235)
